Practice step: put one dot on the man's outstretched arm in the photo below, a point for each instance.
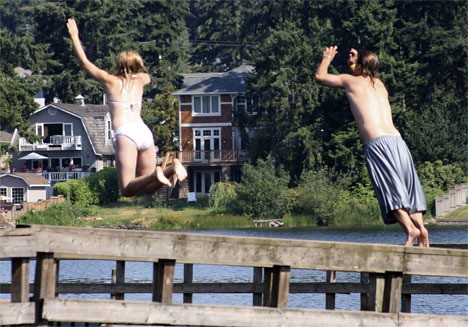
(321, 74)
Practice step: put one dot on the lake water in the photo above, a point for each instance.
(100, 271)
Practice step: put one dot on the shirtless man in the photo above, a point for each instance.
(135, 152)
(388, 160)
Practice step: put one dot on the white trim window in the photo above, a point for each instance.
(207, 144)
(17, 193)
(206, 105)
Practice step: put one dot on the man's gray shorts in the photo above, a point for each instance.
(395, 180)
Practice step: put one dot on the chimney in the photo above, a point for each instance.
(80, 100)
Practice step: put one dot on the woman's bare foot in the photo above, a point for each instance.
(159, 174)
(179, 170)
(413, 234)
(423, 239)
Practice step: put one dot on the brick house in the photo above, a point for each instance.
(210, 145)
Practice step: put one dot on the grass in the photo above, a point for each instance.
(138, 212)
(460, 213)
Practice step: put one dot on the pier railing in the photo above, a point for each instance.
(383, 290)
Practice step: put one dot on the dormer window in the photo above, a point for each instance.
(206, 105)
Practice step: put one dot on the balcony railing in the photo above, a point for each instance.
(60, 176)
(56, 142)
(212, 156)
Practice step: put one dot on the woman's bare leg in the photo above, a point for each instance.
(417, 219)
(130, 162)
(403, 218)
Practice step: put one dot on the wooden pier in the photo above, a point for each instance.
(384, 287)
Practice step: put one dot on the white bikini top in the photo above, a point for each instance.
(133, 106)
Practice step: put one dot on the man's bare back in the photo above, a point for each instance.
(370, 107)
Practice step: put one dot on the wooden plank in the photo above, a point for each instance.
(131, 245)
(330, 297)
(376, 292)
(118, 279)
(163, 281)
(392, 292)
(257, 279)
(17, 243)
(280, 291)
(188, 279)
(406, 297)
(45, 280)
(20, 280)
(17, 313)
(126, 312)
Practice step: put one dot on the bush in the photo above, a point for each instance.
(317, 196)
(104, 185)
(263, 191)
(436, 175)
(76, 191)
(99, 188)
(223, 197)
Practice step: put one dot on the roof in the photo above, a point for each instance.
(10, 138)
(232, 81)
(93, 118)
(5, 137)
(30, 178)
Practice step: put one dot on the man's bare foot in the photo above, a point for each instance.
(179, 170)
(423, 239)
(161, 178)
(413, 234)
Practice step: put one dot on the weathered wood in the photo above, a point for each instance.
(376, 292)
(45, 280)
(392, 292)
(163, 281)
(247, 251)
(118, 279)
(20, 280)
(406, 297)
(257, 279)
(330, 297)
(242, 288)
(17, 313)
(126, 312)
(280, 287)
(188, 279)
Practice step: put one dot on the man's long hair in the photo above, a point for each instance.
(129, 62)
(369, 61)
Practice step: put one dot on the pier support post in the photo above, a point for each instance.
(118, 279)
(257, 279)
(188, 279)
(330, 297)
(45, 283)
(19, 279)
(277, 286)
(392, 292)
(384, 292)
(406, 298)
(163, 280)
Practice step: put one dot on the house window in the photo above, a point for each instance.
(109, 130)
(40, 129)
(205, 179)
(67, 129)
(206, 105)
(18, 195)
(207, 144)
(3, 191)
(240, 103)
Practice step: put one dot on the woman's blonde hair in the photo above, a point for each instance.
(369, 62)
(129, 62)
